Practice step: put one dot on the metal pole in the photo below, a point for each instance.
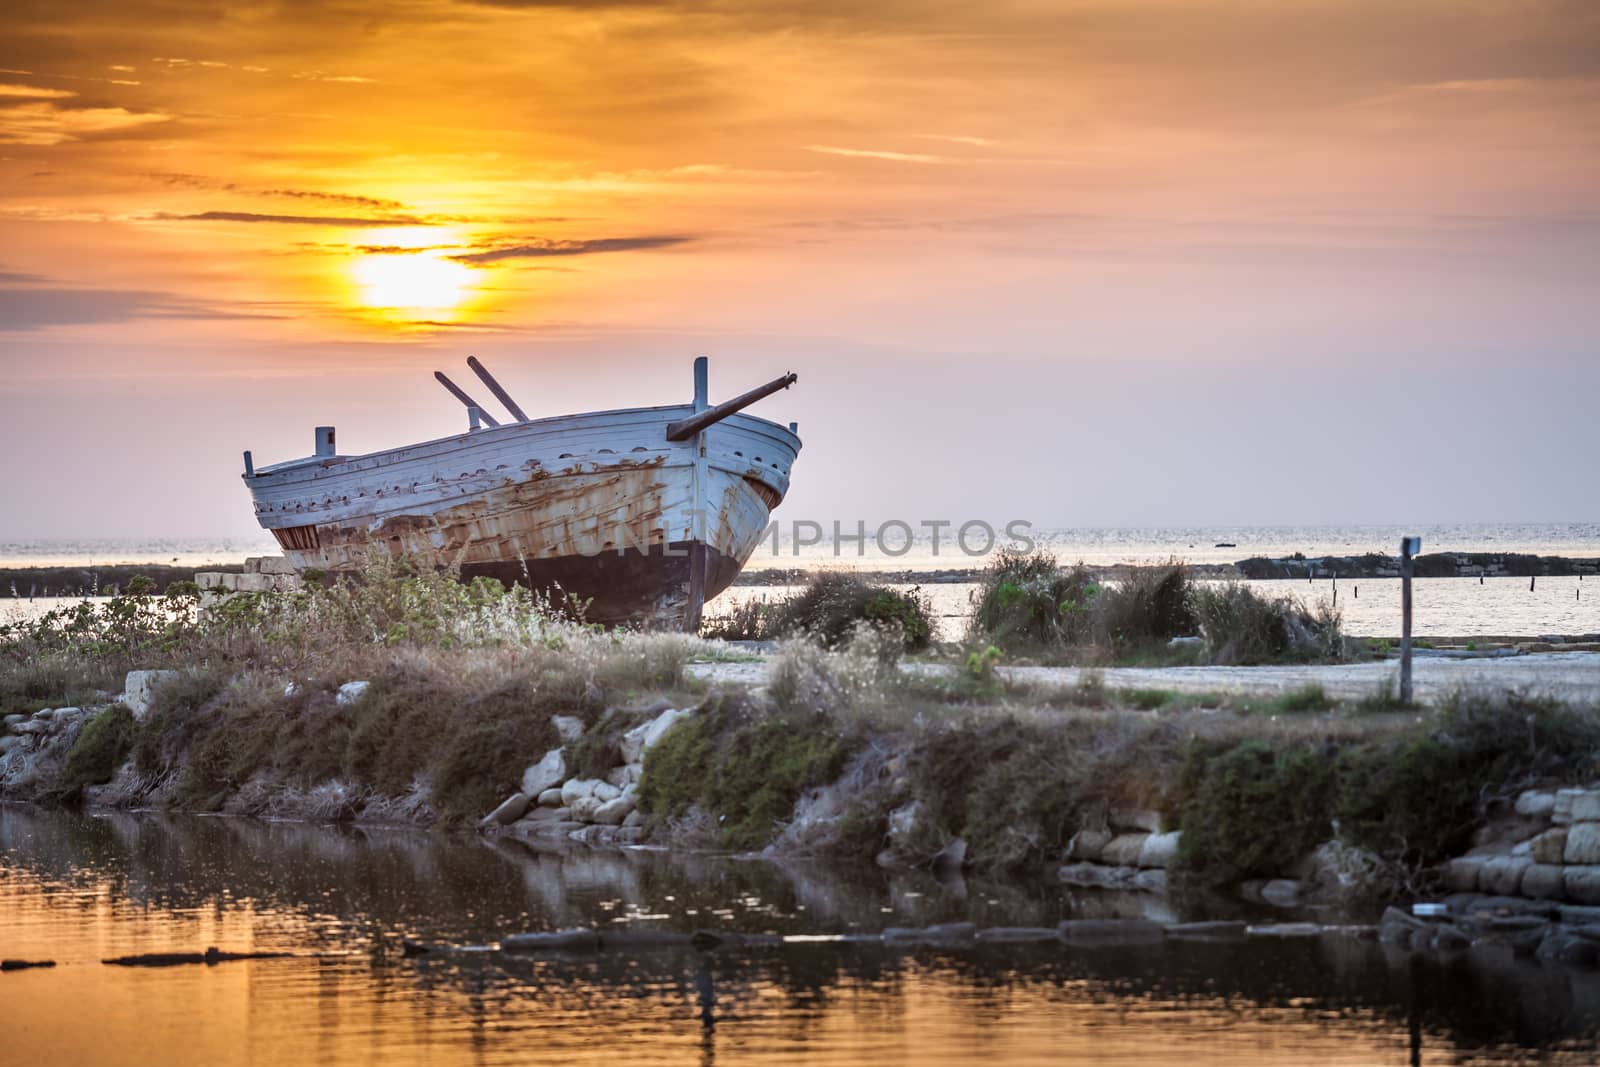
(1406, 569)
(494, 387)
(461, 395)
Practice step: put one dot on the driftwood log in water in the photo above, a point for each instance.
(24, 965)
(210, 956)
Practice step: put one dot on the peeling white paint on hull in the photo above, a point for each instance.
(601, 504)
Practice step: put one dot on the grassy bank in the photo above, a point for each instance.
(843, 752)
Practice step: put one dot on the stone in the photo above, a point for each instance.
(550, 798)
(1397, 928)
(613, 812)
(1111, 931)
(49, 713)
(269, 565)
(568, 727)
(510, 810)
(1536, 804)
(1281, 892)
(902, 821)
(1583, 844)
(1208, 931)
(140, 687)
(1582, 884)
(547, 815)
(350, 692)
(585, 807)
(553, 941)
(626, 775)
(1144, 819)
(14, 718)
(1577, 914)
(942, 933)
(9, 742)
(1160, 850)
(576, 787)
(1563, 946)
(1018, 934)
(1151, 881)
(604, 791)
(639, 740)
(1088, 844)
(1123, 850)
(1550, 846)
(1489, 907)
(1502, 875)
(1586, 806)
(1286, 930)
(635, 818)
(549, 772)
(1543, 881)
(1450, 938)
(1561, 813)
(1462, 874)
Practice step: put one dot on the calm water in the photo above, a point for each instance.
(78, 889)
(1100, 547)
(1370, 607)
(1444, 607)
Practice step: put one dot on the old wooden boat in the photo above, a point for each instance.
(646, 513)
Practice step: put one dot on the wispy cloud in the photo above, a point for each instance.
(35, 91)
(874, 153)
(30, 309)
(956, 138)
(294, 220)
(46, 123)
(335, 198)
(543, 249)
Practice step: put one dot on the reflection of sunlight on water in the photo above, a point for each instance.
(79, 889)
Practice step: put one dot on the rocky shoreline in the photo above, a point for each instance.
(1534, 859)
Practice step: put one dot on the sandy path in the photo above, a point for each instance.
(1568, 676)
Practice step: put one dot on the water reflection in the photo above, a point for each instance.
(79, 889)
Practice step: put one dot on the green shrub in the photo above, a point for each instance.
(833, 602)
(1146, 609)
(741, 620)
(1027, 602)
(1243, 627)
(1420, 803)
(744, 764)
(1256, 809)
(102, 745)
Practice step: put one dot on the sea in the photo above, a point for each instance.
(340, 901)
(1445, 607)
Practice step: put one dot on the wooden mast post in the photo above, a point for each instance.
(1409, 547)
(697, 513)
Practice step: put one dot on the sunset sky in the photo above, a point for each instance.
(1090, 262)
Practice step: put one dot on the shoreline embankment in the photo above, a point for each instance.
(1332, 805)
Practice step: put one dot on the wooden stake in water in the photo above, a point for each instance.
(1409, 547)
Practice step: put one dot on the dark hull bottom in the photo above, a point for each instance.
(646, 588)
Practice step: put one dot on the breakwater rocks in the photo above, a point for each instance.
(1548, 850)
(1541, 930)
(555, 803)
(1432, 565)
(1079, 933)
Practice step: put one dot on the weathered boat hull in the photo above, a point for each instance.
(600, 506)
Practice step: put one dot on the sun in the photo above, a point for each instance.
(411, 281)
